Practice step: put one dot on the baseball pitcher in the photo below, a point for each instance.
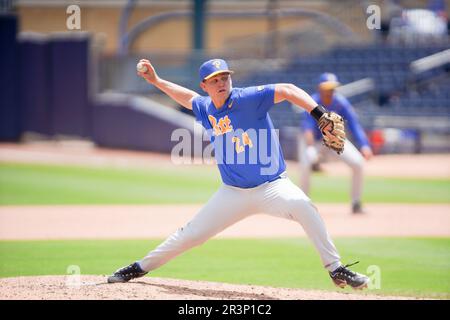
(251, 165)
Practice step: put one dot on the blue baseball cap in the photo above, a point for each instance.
(328, 81)
(213, 67)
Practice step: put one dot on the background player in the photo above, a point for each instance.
(239, 117)
(310, 146)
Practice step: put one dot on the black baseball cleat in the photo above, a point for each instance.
(316, 167)
(127, 273)
(357, 208)
(343, 276)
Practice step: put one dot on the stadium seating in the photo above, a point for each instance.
(397, 89)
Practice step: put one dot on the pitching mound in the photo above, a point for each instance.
(96, 288)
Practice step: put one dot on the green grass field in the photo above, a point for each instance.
(408, 266)
(24, 184)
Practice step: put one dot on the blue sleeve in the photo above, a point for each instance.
(349, 114)
(261, 97)
(198, 111)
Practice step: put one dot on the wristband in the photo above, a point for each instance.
(318, 111)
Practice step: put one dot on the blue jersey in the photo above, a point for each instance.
(341, 106)
(246, 146)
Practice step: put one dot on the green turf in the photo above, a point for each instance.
(409, 266)
(382, 190)
(22, 184)
(44, 184)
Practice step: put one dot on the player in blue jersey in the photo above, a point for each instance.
(251, 165)
(311, 147)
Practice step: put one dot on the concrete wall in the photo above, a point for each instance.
(174, 35)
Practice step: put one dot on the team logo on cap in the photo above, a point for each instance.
(216, 64)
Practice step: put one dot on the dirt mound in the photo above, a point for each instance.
(96, 288)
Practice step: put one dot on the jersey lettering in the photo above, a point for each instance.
(246, 141)
(222, 126)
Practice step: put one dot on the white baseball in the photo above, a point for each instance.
(141, 67)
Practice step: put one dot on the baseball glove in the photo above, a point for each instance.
(332, 127)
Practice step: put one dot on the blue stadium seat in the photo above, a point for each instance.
(387, 65)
